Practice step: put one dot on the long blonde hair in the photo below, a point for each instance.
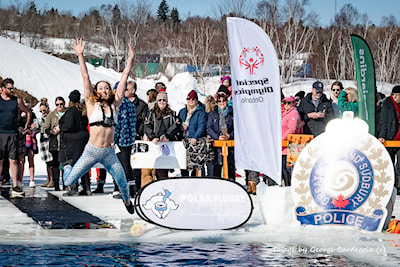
(210, 103)
(352, 96)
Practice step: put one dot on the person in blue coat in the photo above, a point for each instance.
(193, 120)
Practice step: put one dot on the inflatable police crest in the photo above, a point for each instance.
(343, 177)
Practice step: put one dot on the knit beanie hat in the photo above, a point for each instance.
(396, 89)
(193, 94)
(223, 89)
(162, 95)
(225, 78)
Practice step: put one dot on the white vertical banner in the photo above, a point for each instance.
(256, 99)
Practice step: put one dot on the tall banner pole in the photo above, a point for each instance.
(256, 99)
(366, 85)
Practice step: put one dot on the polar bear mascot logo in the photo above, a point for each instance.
(161, 204)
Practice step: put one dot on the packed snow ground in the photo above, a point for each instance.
(273, 218)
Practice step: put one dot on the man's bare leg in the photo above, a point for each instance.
(14, 171)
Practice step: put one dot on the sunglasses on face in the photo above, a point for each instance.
(10, 88)
(190, 98)
(59, 104)
(222, 101)
(335, 90)
(290, 102)
(162, 100)
(43, 110)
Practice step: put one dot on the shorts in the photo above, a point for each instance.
(9, 146)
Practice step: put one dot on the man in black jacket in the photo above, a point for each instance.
(141, 114)
(316, 110)
(388, 128)
(141, 109)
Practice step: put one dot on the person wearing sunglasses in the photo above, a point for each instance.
(290, 121)
(348, 101)
(161, 126)
(193, 119)
(220, 127)
(315, 110)
(101, 105)
(44, 151)
(9, 110)
(52, 129)
(336, 88)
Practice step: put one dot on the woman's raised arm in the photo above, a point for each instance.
(79, 46)
(119, 94)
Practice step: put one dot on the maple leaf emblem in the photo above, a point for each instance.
(340, 202)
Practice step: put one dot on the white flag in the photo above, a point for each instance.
(256, 99)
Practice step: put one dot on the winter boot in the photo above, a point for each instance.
(73, 191)
(85, 182)
(132, 188)
(100, 186)
(252, 187)
(56, 178)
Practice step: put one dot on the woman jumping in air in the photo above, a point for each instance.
(102, 104)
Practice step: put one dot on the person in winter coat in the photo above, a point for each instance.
(141, 109)
(209, 105)
(336, 89)
(193, 120)
(290, 122)
(220, 127)
(389, 128)
(44, 142)
(161, 126)
(315, 110)
(141, 113)
(52, 129)
(348, 101)
(74, 136)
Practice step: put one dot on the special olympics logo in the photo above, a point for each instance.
(251, 59)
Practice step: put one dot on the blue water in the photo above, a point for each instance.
(152, 254)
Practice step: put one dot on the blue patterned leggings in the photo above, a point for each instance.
(106, 156)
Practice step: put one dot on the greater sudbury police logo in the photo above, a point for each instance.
(161, 204)
(343, 183)
(251, 59)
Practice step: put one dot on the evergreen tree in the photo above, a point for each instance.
(162, 12)
(116, 16)
(175, 19)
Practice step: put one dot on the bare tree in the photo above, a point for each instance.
(327, 51)
(388, 50)
(236, 8)
(294, 37)
(269, 17)
(200, 44)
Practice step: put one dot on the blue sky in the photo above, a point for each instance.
(324, 8)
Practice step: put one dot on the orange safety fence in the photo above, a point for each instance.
(230, 143)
